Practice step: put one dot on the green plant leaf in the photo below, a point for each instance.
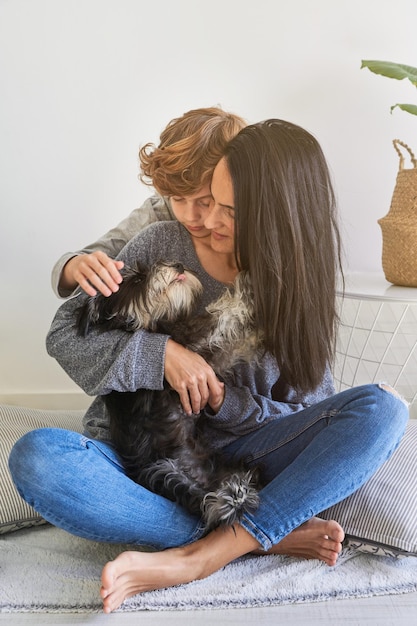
(409, 108)
(392, 70)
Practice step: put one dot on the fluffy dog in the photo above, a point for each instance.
(162, 448)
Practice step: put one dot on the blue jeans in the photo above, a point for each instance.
(310, 460)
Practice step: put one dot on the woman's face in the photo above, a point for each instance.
(191, 211)
(221, 219)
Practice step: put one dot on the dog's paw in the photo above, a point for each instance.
(235, 496)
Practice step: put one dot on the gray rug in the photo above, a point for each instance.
(45, 569)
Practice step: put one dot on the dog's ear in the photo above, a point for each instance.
(105, 312)
(110, 312)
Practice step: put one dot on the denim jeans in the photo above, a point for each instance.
(310, 460)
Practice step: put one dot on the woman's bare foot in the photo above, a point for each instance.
(315, 539)
(135, 572)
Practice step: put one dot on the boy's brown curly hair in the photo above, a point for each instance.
(189, 149)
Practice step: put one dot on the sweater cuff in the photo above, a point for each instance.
(152, 368)
(227, 409)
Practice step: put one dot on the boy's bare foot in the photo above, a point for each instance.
(315, 539)
(135, 572)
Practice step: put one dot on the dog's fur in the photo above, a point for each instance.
(163, 448)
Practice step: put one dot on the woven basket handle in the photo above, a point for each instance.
(396, 143)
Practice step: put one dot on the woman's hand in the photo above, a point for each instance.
(93, 272)
(193, 379)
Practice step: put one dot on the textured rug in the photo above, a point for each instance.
(44, 569)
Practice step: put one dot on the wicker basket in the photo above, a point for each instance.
(399, 226)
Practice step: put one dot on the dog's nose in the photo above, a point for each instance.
(179, 267)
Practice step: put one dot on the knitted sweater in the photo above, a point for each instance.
(125, 361)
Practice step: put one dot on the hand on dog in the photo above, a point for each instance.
(95, 271)
(192, 378)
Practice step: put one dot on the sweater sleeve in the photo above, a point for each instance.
(106, 361)
(152, 210)
(247, 406)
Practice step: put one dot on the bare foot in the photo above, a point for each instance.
(315, 539)
(135, 572)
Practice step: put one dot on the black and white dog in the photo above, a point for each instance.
(162, 448)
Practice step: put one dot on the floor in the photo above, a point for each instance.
(396, 610)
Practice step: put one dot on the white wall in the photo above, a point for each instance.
(85, 82)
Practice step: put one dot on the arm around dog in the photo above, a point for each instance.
(119, 360)
(103, 362)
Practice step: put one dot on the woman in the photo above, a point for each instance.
(180, 170)
(273, 215)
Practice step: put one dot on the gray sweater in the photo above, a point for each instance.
(123, 361)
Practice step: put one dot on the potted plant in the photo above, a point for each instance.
(399, 226)
(397, 71)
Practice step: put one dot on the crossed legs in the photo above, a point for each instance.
(333, 450)
(315, 458)
(135, 572)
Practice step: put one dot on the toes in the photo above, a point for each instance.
(336, 532)
(107, 578)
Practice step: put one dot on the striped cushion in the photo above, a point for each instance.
(15, 422)
(381, 517)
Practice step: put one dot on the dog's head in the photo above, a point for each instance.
(164, 292)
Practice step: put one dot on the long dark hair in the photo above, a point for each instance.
(287, 237)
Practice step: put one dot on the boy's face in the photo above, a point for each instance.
(191, 211)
